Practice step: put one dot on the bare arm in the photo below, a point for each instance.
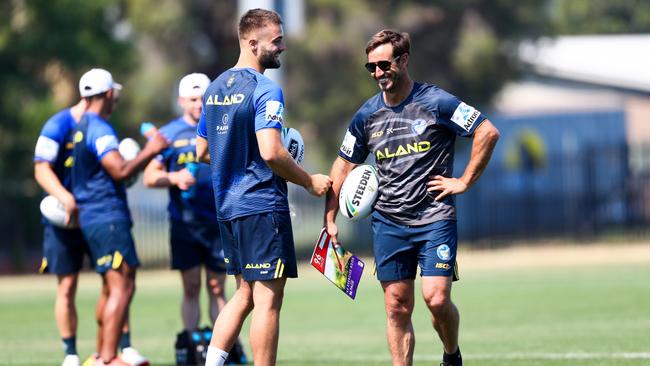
(47, 179)
(340, 170)
(120, 170)
(156, 175)
(282, 164)
(202, 151)
(484, 140)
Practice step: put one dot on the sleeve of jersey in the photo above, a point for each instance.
(166, 153)
(461, 118)
(102, 141)
(49, 142)
(269, 106)
(201, 129)
(354, 147)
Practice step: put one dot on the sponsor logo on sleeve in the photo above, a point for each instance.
(46, 148)
(105, 143)
(274, 110)
(347, 147)
(465, 116)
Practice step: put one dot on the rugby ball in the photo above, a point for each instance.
(129, 149)
(359, 192)
(54, 211)
(293, 142)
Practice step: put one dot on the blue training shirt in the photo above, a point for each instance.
(181, 151)
(100, 198)
(236, 105)
(54, 145)
(411, 143)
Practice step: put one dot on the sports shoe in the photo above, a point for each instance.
(71, 360)
(132, 357)
(90, 361)
(236, 356)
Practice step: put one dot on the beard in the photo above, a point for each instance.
(386, 84)
(269, 60)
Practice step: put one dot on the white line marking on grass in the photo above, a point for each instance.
(487, 356)
(561, 356)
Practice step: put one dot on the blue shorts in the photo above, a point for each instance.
(259, 247)
(400, 248)
(63, 250)
(194, 244)
(111, 244)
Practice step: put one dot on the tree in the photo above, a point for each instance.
(44, 48)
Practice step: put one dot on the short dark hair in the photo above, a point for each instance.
(257, 18)
(401, 41)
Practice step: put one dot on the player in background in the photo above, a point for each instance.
(64, 249)
(239, 134)
(104, 217)
(410, 128)
(194, 229)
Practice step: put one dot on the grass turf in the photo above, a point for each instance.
(540, 316)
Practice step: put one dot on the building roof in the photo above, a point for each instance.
(620, 61)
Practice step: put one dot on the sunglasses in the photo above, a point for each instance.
(383, 65)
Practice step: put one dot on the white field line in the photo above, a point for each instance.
(433, 358)
(486, 356)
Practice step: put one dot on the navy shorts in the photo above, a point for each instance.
(194, 244)
(63, 250)
(111, 244)
(400, 248)
(259, 247)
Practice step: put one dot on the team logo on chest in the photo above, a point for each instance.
(418, 126)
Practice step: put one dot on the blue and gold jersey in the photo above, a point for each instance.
(181, 151)
(411, 143)
(54, 145)
(240, 102)
(99, 197)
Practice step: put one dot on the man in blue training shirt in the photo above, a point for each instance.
(98, 174)
(64, 249)
(194, 229)
(410, 128)
(239, 134)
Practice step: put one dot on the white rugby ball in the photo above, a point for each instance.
(293, 142)
(359, 192)
(129, 149)
(54, 211)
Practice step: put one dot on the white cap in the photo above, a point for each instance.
(97, 81)
(193, 85)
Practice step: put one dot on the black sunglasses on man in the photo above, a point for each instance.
(383, 65)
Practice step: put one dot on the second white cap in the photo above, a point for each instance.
(193, 85)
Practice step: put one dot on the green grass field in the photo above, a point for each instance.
(586, 314)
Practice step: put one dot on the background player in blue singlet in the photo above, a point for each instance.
(195, 239)
(64, 249)
(410, 128)
(98, 173)
(239, 134)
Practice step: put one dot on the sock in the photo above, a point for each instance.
(215, 357)
(70, 345)
(125, 340)
(454, 358)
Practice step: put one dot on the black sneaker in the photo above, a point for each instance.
(236, 356)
